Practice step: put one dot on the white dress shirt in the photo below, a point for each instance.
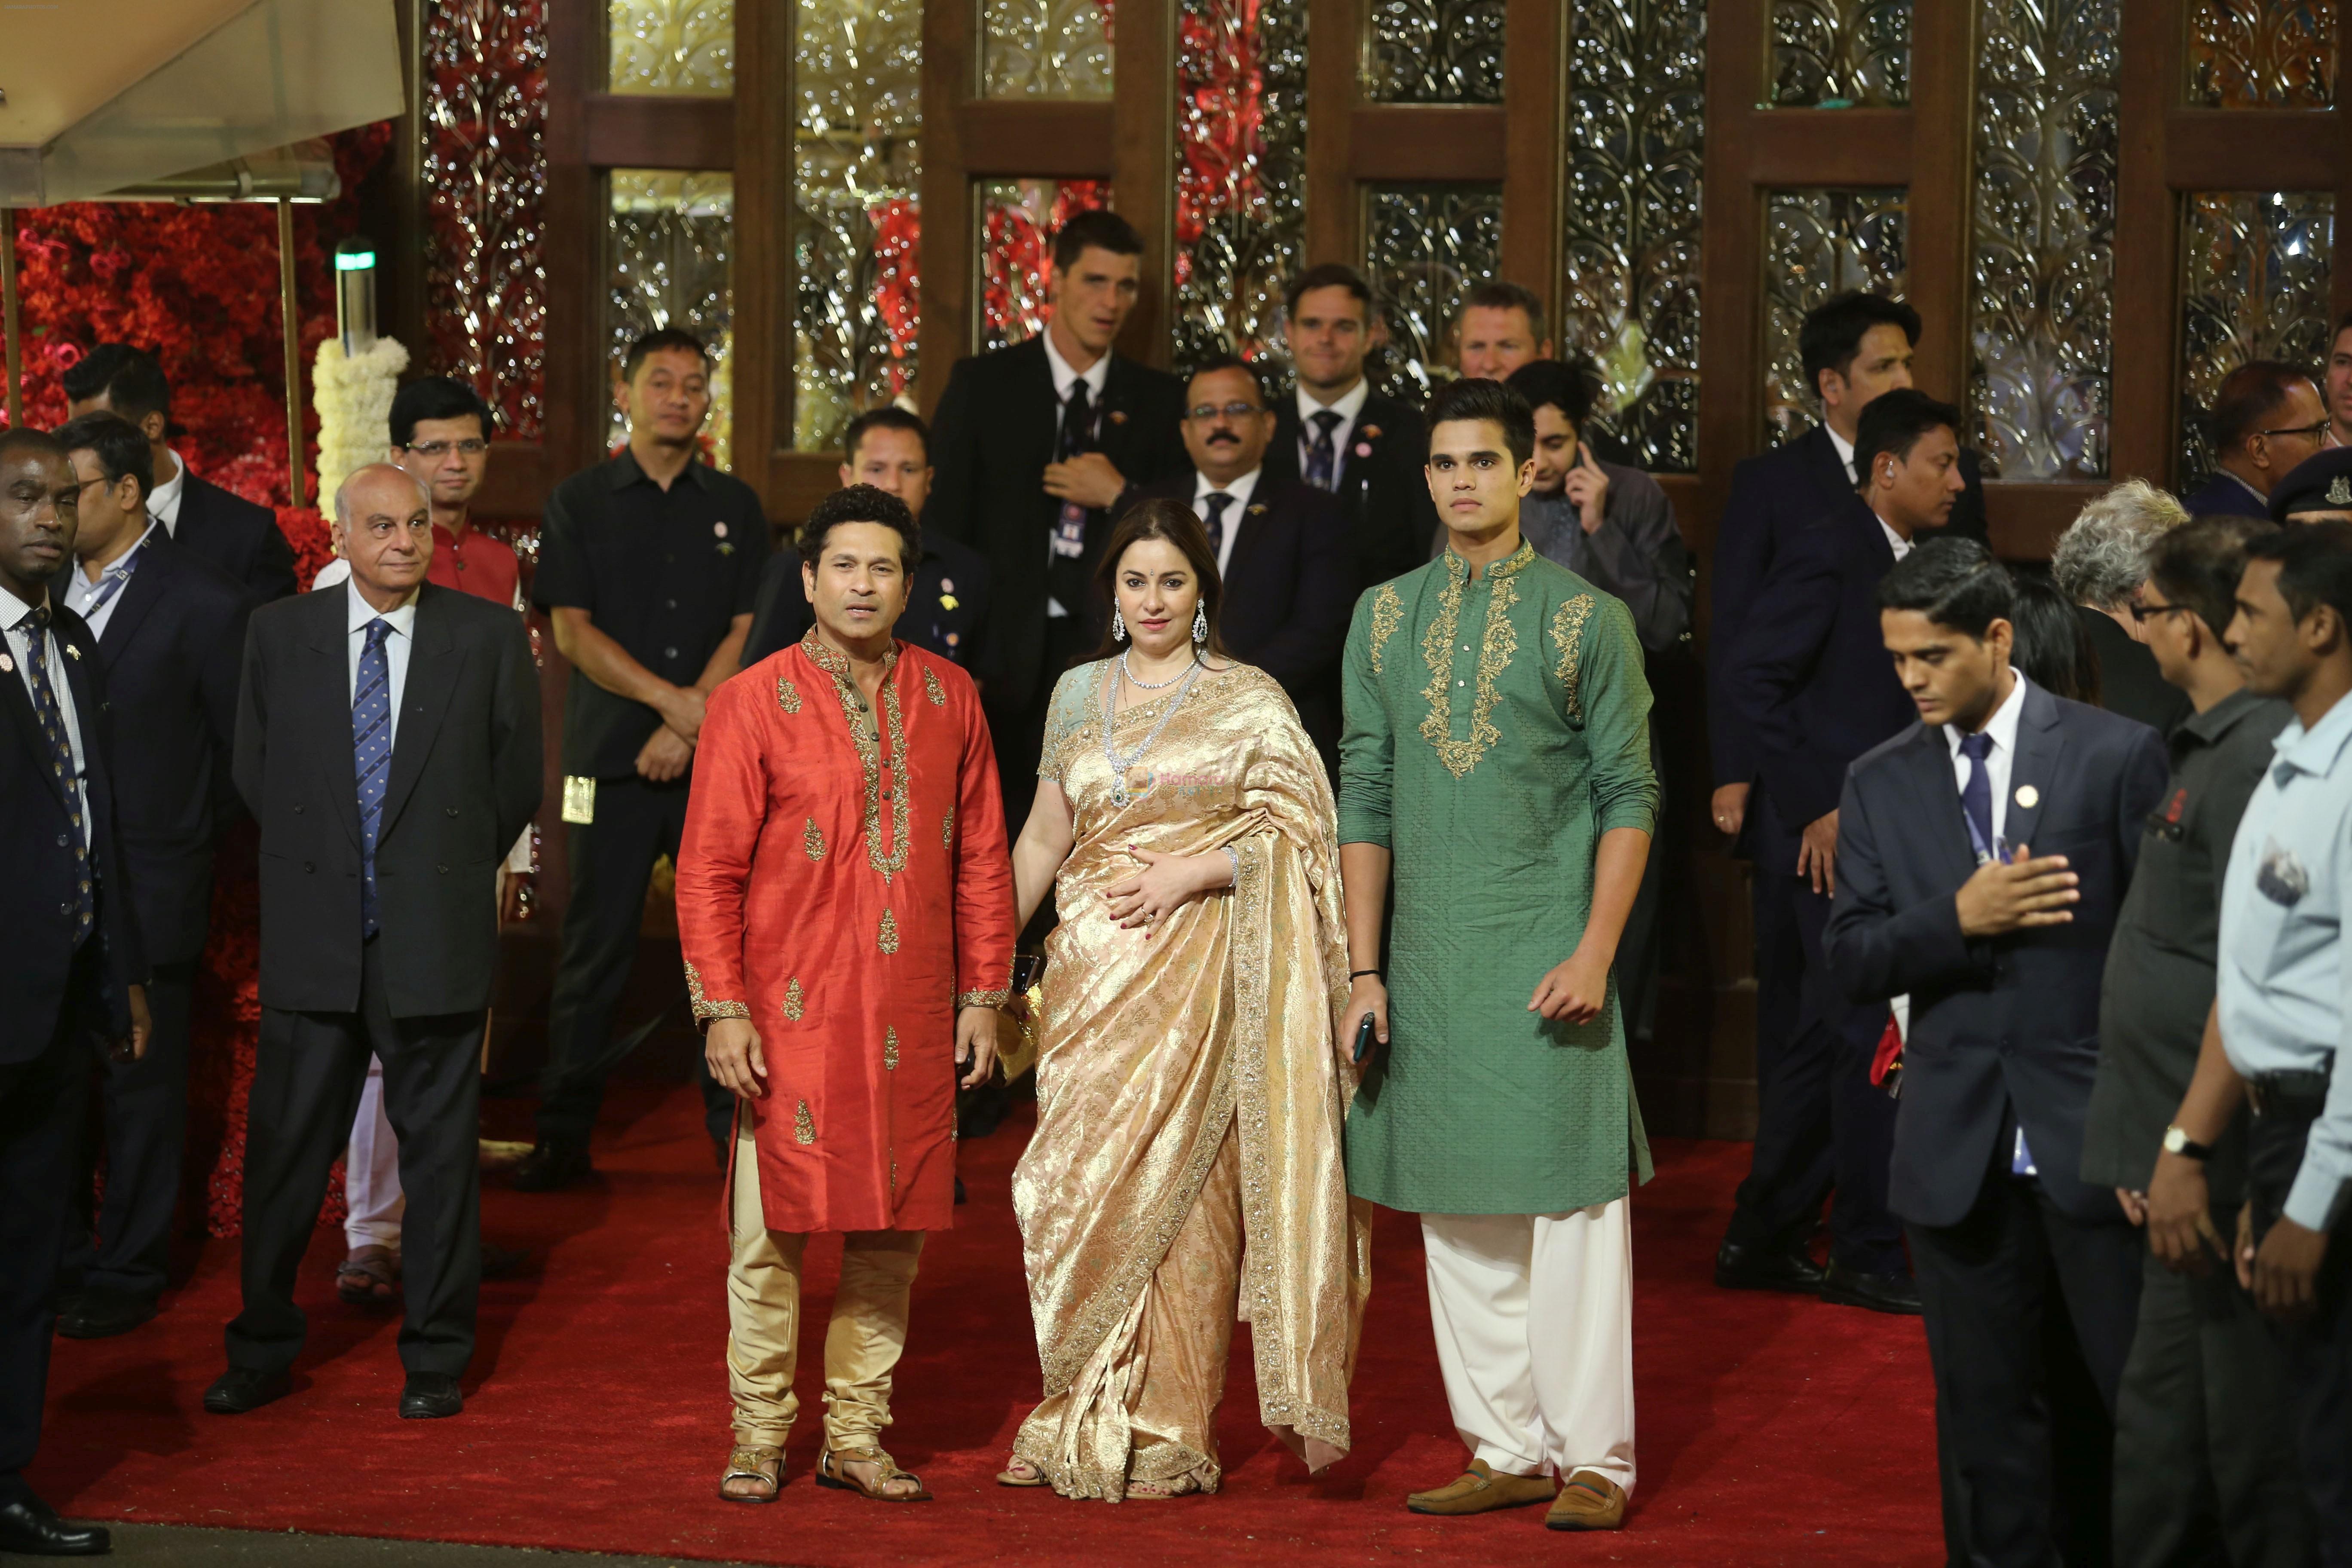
(2003, 728)
(164, 499)
(80, 589)
(1845, 453)
(1349, 407)
(1240, 490)
(14, 612)
(395, 647)
(1895, 541)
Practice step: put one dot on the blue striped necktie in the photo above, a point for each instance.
(372, 756)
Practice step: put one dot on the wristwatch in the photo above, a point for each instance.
(2176, 1142)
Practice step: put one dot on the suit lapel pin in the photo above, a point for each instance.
(2027, 797)
(1364, 449)
(718, 530)
(73, 653)
(1118, 416)
(1257, 508)
(1371, 433)
(7, 665)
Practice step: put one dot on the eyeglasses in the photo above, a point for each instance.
(2314, 432)
(2141, 613)
(439, 449)
(1208, 411)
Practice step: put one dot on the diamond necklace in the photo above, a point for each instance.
(1128, 670)
(1119, 766)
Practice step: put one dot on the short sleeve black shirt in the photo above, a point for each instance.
(664, 573)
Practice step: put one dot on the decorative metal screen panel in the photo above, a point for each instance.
(856, 227)
(1637, 108)
(2254, 285)
(1821, 242)
(1044, 49)
(1424, 246)
(672, 236)
(672, 47)
(2263, 54)
(1833, 53)
(1432, 51)
(2041, 250)
(1016, 220)
(1241, 141)
(484, 165)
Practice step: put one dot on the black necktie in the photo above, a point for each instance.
(1077, 423)
(1323, 457)
(1066, 578)
(52, 719)
(1217, 501)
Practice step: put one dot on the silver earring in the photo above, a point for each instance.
(1201, 623)
(1118, 626)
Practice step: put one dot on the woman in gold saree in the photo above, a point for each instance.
(1190, 1088)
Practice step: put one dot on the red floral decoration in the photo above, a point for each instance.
(1221, 122)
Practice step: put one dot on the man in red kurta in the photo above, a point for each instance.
(844, 901)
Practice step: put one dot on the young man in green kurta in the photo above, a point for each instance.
(1496, 761)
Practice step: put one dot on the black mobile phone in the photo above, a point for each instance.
(1364, 1039)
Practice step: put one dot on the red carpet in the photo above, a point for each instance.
(1773, 1430)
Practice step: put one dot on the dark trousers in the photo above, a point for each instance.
(307, 1078)
(612, 861)
(2204, 1471)
(1821, 1123)
(2318, 1347)
(122, 1245)
(41, 1103)
(2029, 1315)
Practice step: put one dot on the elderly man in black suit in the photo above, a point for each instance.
(1983, 854)
(74, 974)
(1035, 446)
(388, 741)
(232, 534)
(1339, 435)
(1810, 679)
(1282, 551)
(169, 628)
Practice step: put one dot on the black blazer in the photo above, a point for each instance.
(2004, 1030)
(1383, 495)
(170, 652)
(241, 538)
(465, 781)
(991, 440)
(946, 605)
(1774, 497)
(1809, 677)
(37, 868)
(2224, 495)
(1290, 589)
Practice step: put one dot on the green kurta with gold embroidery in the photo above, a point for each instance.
(1497, 726)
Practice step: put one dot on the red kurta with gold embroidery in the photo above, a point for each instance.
(843, 883)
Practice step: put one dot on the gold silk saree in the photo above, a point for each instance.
(1186, 1165)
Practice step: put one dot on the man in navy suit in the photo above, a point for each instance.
(170, 628)
(73, 976)
(1282, 551)
(232, 534)
(2267, 418)
(1808, 679)
(1982, 857)
(1334, 432)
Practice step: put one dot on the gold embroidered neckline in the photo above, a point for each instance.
(861, 719)
(1497, 642)
(1511, 565)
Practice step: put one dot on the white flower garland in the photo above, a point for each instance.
(353, 400)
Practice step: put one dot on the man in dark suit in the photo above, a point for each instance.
(169, 629)
(1808, 680)
(74, 973)
(232, 534)
(1282, 551)
(2267, 417)
(1337, 434)
(388, 741)
(2099, 563)
(1035, 445)
(948, 600)
(2029, 1275)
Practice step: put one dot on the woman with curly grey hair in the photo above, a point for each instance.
(2099, 563)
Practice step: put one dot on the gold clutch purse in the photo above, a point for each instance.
(1016, 1050)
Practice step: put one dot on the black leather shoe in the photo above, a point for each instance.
(1739, 1266)
(102, 1314)
(31, 1527)
(240, 1389)
(1878, 1292)
(503, 1262)
(553, 1165)
(429, 1396)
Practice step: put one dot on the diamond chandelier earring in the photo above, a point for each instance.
(1201, 623)
(1118, 626)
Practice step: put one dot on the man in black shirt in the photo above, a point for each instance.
(2204, 1468)
(647, 566)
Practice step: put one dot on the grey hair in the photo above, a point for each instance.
(2102, 558)
(344, 490)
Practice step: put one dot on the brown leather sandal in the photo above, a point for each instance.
(830, 1473)
(753, 1462)
(369, 1276)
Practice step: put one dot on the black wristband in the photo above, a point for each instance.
(1359, 973)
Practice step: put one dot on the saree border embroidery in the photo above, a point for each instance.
(795, 1000)
(813, 840)
(1568, 637)
(1388, 614)
(862, 736)
(705, 1009)
(933, 688)
(788, 695)
(1497, 642)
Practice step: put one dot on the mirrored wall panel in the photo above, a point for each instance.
(1821, 242)
(671, 47)
(1014, 225)
(670, 242)
(1840, 53)
(1424, 246)
(2254, 285)
(2263, 54)
(1432, 51)
(1046, 48)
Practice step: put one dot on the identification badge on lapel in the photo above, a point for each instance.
(579, 800)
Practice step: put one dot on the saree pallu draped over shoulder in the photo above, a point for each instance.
(1187, 1080)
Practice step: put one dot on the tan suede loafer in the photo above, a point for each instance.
(1589, 1501)
(1478, 1490)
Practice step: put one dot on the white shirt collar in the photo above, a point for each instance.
(1844, 451)
(2245, 486)
(1895, 541)
(358, 612)
(14, 609)
(1348, 405)
(1095, 375)
(164, 499)
(1240, 490)
(2002, 726)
